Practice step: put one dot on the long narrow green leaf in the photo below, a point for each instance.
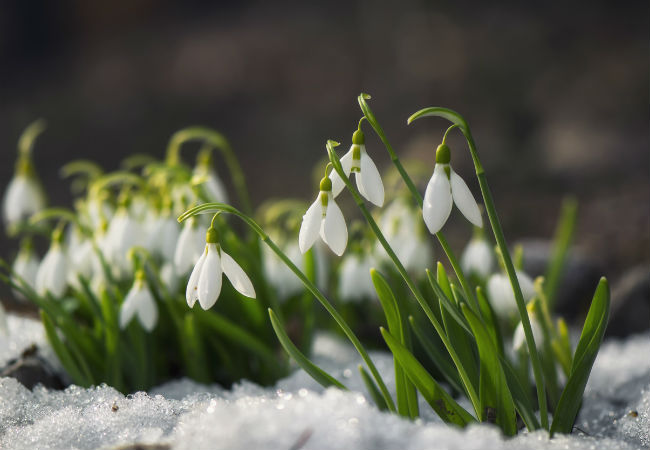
(312, 369)
(583, 360)
(67, 361)
(439, 358)
(496, 400)
(490, 319)
(561, 242)
(441, 402)
(520, 395)
(404, 388)
(448, 304)
(194, 352)
(372, 389)
(111, 341)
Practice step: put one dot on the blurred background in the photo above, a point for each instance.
(556, 95)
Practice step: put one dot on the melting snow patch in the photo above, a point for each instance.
(297, 413)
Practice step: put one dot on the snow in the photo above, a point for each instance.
(299, 414)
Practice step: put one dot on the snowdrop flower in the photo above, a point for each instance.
(123, 233)
(355, 282)
(24, 195)
(190, 246)
(324, 217)
(26, 265)
(169, 276)
(212, 185)
(502, 296)
(140, 302)
(80, 258)
(405, 235)
(205, 280)
(446, 187)
(519, 338)
(51, 275)
(357, 161)
(477, 257)
(163, 236)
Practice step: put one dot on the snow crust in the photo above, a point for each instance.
(298, 413)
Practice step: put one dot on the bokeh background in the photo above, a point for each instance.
(556, 94)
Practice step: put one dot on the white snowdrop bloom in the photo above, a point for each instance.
(445, 188)
(26, 266)
(139, 208)
(355, 282)
(406, 236)
(97, 210)
(189, 247)
(23, 198)
(80, 258)
(139, 302)
(206, 278)
(324, 218)
(163, 236)
(502, 296)
(357, 161)
(284, 282)
(123, 233)
(519, 338)
(477, 258)
(212, 185)
(52, 273)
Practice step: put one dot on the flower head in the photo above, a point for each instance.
(23, 198)
(445, 188)
(205, 281)
(26, 265)
(139, 302)
(477, 257)
(190, 246)
(357, 161)
(52, 273)
(355, 282)
(324, 218)
(502, 296)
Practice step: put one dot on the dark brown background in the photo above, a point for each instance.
(557, 95)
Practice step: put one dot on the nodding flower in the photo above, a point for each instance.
(52, 273)
(139, 302)
(445, 188)
(357, 161)
(206, 278)
(324, 218)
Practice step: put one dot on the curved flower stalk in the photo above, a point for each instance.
(24, 195)
(324, 218)
(205, 281)
(502, 295)
(139, 302)
(478, 257)
(357, 161)
(405, 234)
(445, 188)
(26, 266)
(52, 273)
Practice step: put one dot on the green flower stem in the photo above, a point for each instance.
(27, 139)
(221, 143)
(214, 207)
(469, 293)
(457, 119)
(412, 286)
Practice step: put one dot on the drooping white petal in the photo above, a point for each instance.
(129, 307)
(168, 236)
(437, 200)
(502, 296)
(311, 223)
(192, 290)
(51, 275)
(337, 181)
(464, 199)
(355, 282)
(169, 276)
(370, 179)
(184, 254)
(26, 267)
(236, 275)
(147, 310)
(333, 230)
(477, 258)
(526, 284)
(214, 188)
(22, 199)
(210, 278)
